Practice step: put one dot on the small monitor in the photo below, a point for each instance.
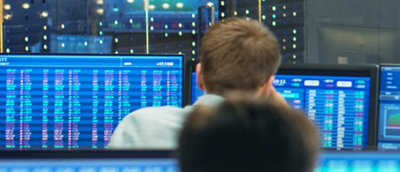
(389, 107)
(358, 161)
(88, 161)
(339, 99)
(193, 91)
(196, 91)
(75, 101)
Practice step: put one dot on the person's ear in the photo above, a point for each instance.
(266, 88)
(199, 77)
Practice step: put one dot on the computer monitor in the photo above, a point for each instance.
(88, 161)
(75, 101)
(197, 92)
(163, 161)
(340, 99)
(361, 161)
(389, 107)
(193, 91)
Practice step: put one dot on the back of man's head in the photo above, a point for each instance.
(246, 136)
(238, 54)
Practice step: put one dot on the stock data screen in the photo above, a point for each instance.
(76, 101)
(339, 106)
(389, 108)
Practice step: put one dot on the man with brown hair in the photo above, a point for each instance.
(236, 54)
(247, 134)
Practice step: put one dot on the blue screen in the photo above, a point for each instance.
(89, 165)
(358, 162)
(344, 161)
(339, 106)
(389, 108)
(76, 101)
(196, 91)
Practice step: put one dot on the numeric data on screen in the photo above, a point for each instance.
(71, 102)
(389, 108)
(339, 106)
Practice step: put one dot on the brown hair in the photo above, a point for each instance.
(238, 54)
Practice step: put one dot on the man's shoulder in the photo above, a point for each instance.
(150, 127)
(163, 113)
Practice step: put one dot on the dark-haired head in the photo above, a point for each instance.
(247, 134)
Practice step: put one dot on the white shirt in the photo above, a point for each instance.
(155, 127)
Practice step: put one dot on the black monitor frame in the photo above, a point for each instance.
(345, 70)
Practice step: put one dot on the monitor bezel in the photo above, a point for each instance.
(345, 70)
